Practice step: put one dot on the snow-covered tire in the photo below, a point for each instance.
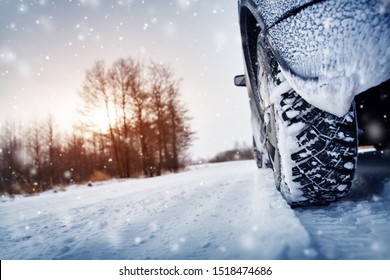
(258, 155)
(260, 158)
(315, 152)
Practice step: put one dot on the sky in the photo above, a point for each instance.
(47, 45)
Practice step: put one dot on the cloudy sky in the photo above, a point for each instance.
(46, 46)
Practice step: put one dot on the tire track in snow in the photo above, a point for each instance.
(357, 227)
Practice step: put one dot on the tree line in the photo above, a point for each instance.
(239, 152)
(146, 132)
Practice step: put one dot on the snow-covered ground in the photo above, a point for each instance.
(215, 211)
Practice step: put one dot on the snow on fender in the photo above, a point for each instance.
(332, 50)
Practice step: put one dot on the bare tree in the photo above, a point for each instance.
(97, 94)
(148, 126)
(148, 132)
(36, 151)
(12, 158)
(174, 134)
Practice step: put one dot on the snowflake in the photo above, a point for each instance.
(67, 174)
(23, 8)
(137, 240)
(13, 26)
(7, 55)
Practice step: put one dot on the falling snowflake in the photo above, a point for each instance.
(23, 8)
(67, 174)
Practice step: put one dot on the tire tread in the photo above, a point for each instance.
(325, 160)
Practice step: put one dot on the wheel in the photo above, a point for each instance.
(260, 158)
(313, 153)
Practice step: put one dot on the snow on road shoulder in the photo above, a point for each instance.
(221, 211)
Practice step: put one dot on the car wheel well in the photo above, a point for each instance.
(250, 30)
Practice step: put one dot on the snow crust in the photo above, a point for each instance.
(334, 50)
(271, 11)
(217, 211)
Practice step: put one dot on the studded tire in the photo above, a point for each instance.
(314, 153)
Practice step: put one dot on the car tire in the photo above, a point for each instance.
(313, 153)
(260, 158)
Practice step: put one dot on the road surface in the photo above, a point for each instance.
(214, 211)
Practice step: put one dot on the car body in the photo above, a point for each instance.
(330, 55)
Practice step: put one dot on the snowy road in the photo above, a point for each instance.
(217, 211)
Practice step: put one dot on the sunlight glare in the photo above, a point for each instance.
(100, 120)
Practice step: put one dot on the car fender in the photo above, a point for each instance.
(329, 50)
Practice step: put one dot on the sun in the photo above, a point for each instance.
(100, 120)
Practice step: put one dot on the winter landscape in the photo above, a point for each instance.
(104, 108)
(214, 211)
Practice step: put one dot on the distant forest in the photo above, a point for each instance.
(147, 132)
(239, 152)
